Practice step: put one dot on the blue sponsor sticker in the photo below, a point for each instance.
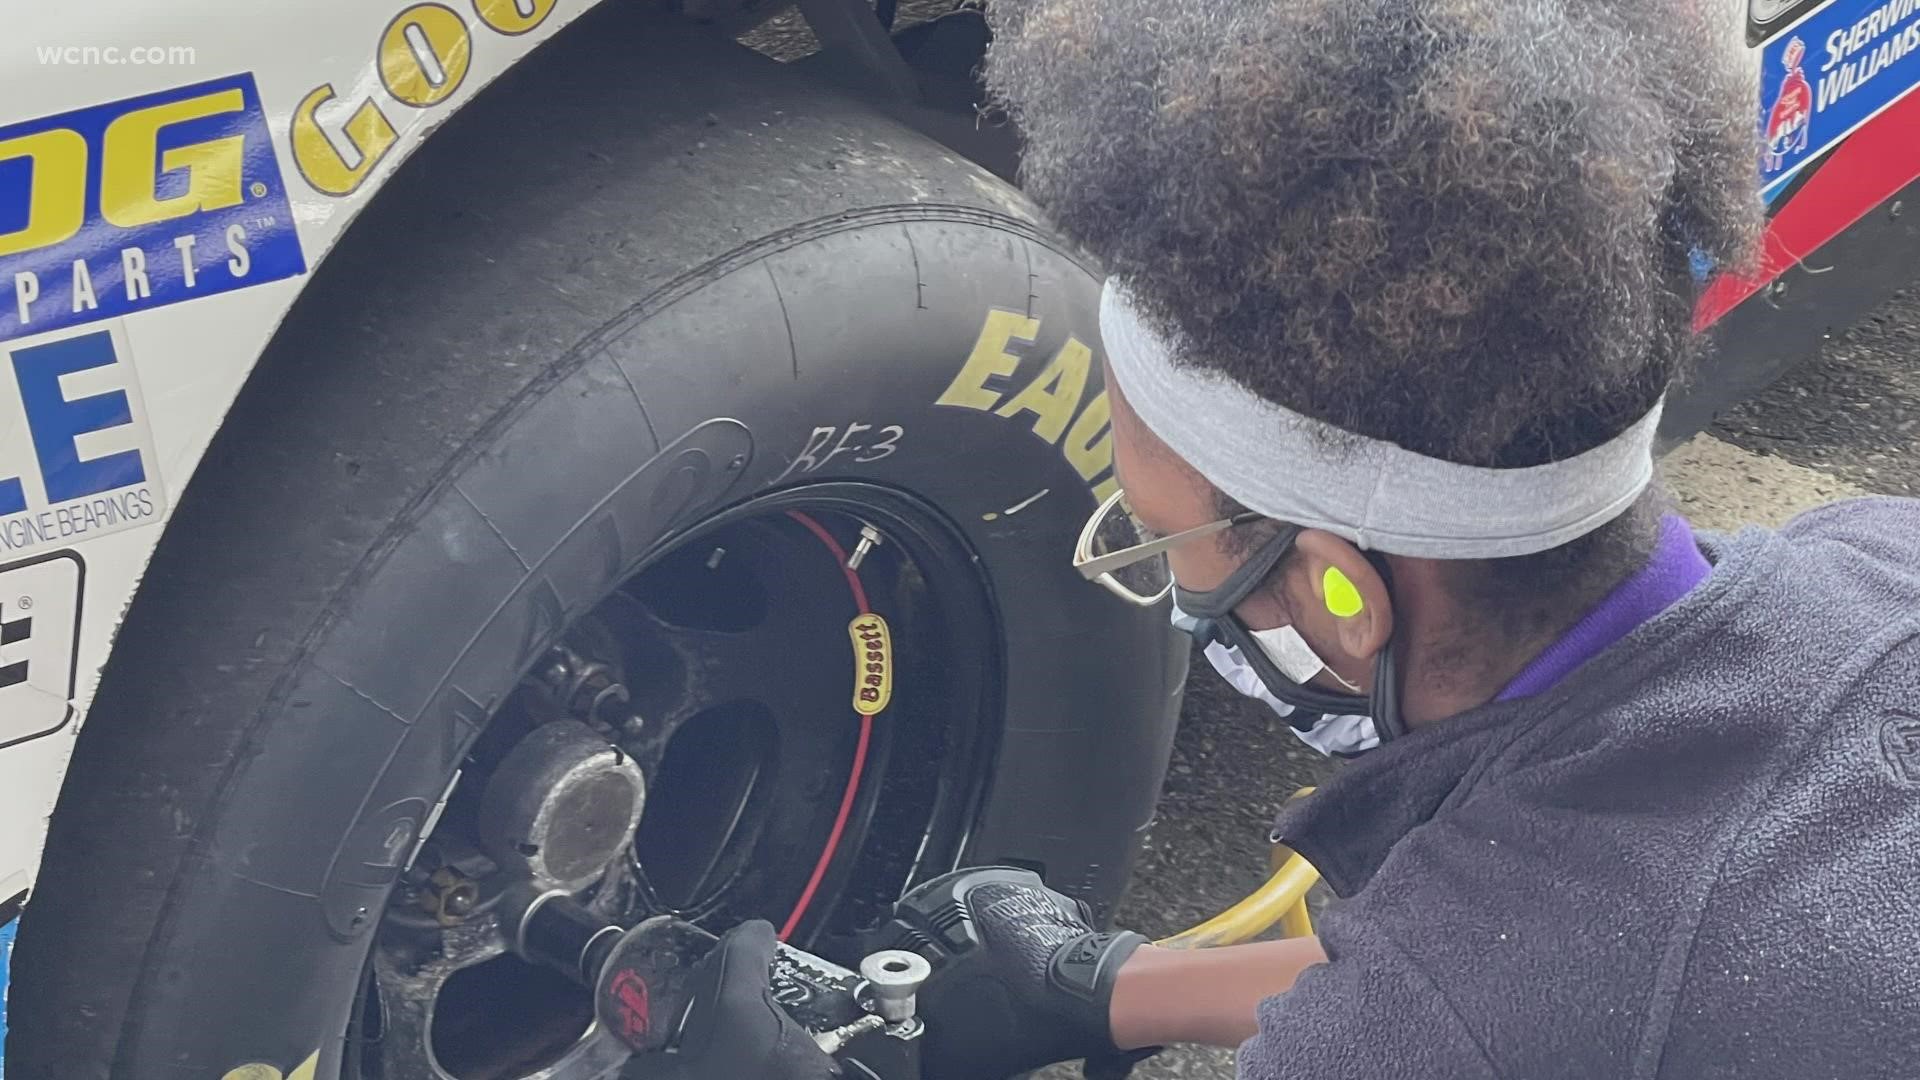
(118, 208)
(1828, 75)
(6, 959)
(82, 464)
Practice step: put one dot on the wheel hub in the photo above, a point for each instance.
(690, 748)
(561, 807)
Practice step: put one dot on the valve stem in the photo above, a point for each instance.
(870, 538)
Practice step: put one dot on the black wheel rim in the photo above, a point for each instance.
(725, 668)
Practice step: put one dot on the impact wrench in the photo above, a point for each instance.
(866, 1020)
(640, 977)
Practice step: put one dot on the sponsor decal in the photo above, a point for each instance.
(872, 664)
(39, 644)
(9, 922)
(1056, 397)
(422, 57)
(118, 208)
(76, 454)
(1786, 132)
(1836, 70)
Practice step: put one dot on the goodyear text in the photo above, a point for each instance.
(117, 208)
(422, 58)
(1055, 399)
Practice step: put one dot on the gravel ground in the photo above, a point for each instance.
(1853, 412)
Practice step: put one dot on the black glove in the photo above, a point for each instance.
(1020, 978)
(733, 1029)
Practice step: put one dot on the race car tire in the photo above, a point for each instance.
(644, 277)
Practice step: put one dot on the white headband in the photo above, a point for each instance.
(1380, 496)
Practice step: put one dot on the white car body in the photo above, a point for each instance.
(256, 131)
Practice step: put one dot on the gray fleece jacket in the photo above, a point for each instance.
(1698, 855)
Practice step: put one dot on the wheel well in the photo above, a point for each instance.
(717, 131)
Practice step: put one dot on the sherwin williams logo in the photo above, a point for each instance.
(1840, 68)
(117, 208)
(1786, 133)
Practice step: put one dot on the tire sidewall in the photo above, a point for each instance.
(820, 354)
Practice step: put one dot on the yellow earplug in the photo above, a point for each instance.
(1342, 598)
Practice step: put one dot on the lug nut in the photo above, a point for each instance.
(450, 896)
(894, 977)
(460, 902)
(561, 806)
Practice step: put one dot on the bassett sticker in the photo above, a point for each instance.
(872, 664)
(117, 208)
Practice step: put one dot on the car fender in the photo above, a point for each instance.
(168, 183)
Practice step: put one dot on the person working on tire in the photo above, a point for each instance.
(1398, 288)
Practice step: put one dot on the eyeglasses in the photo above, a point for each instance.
(1122, 554)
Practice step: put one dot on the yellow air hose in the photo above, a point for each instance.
(1281, 902)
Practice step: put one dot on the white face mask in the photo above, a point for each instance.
(1294, 657)
(1297, 661)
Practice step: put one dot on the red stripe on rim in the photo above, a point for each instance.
(848, 796)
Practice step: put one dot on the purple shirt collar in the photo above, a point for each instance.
(1675, 568)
